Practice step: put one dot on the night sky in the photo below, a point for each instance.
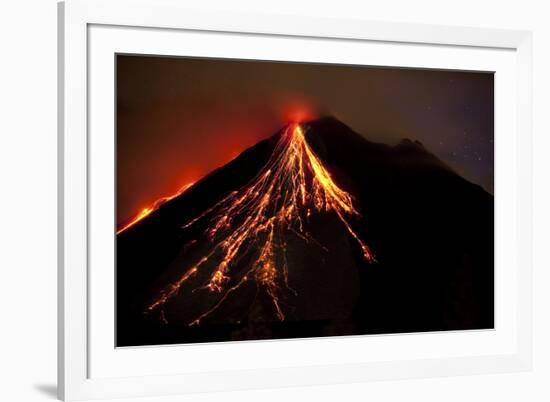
(180, 118)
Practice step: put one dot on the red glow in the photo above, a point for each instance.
(299, 111)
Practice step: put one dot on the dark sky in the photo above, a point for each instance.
(180, 118)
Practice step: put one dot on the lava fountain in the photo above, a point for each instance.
(256, 219)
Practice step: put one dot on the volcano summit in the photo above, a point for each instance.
(313, 232)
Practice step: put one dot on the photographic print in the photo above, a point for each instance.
(271, 200)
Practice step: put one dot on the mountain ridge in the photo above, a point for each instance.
(430, 229)
(405, 148)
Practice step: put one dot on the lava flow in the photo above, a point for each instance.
(147, 211)
(255, 221)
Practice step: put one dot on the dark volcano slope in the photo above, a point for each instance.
(430, 230)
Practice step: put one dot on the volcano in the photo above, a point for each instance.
(315, 231)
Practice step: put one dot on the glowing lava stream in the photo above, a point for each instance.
(146, 211)
(254, 219)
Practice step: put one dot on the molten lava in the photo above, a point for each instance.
(156, 205)
(256, 219)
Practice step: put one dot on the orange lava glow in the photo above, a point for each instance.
(146, 211)
(256, 220)
(297, 111)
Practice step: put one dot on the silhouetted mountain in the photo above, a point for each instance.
(431, 232)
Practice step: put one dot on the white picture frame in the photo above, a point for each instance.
(79, 345)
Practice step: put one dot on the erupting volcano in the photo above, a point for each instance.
(314, 231)
(255, 220)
